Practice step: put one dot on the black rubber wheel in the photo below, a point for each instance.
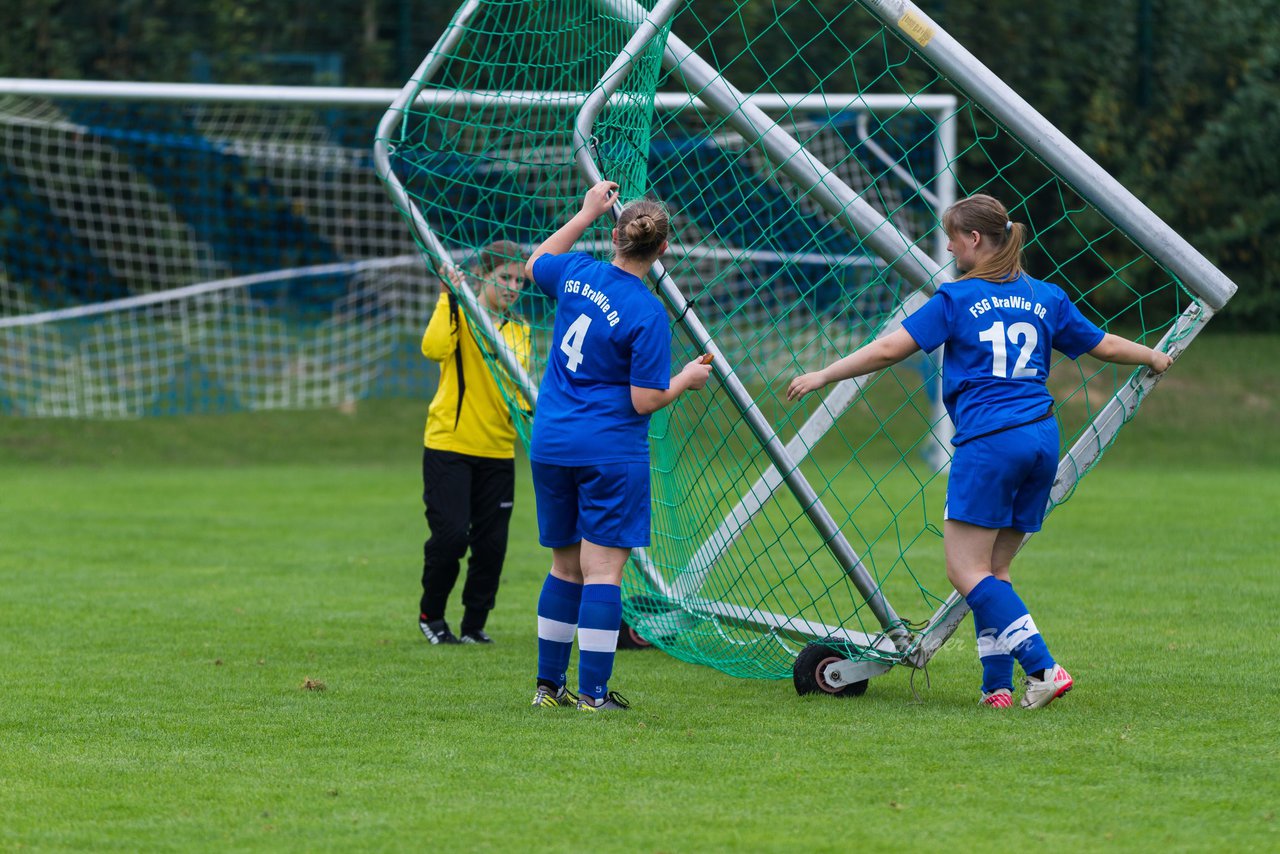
(629, 638)
(807, 672)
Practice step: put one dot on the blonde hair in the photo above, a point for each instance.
(642, 228)
(987, 216)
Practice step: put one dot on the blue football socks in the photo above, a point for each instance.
(1005, 627)
(997, 666)
(558, 607)
(598, 621)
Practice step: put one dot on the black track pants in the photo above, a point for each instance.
(468, 506)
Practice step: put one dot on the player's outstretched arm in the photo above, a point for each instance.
(598, 200)
(1122, 351)
(872, 357)
(692, 377)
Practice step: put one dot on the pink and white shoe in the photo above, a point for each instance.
(1000, 698)
(1042, 692)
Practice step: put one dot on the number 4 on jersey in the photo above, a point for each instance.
(571, 343)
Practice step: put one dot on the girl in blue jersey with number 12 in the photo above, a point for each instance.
(998, 325)
(608, 370)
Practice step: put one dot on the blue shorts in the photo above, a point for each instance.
(605, 504)
(1003, 480)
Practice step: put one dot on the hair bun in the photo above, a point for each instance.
(641, 227)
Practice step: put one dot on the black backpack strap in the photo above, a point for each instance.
(457, 358)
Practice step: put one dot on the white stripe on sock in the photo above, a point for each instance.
(1018, 632)
(597, 640)
(988, 645)
(554, 630)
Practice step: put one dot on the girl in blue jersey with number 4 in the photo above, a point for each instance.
(998, 325)
(608, 370)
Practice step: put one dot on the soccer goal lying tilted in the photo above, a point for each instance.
(806, 160)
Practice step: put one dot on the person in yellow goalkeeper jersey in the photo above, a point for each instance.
(468, 456)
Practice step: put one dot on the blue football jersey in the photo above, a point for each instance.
(610, 333)
(999, 337)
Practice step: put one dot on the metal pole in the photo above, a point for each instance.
(1085, 176)
(782, 461)
(382, 164)
(825, 188)
(347, 96)
(842, 396)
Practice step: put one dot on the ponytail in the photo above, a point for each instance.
(987, 216)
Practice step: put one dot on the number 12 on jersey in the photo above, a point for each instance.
(1022, 334)
(571, 343)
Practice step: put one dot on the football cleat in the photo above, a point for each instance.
(437, 631)
(611, 702)
(547, 697)
(1001, 698)
(1042, 692)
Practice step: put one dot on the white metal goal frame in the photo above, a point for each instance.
(748, 115)
(896, 643)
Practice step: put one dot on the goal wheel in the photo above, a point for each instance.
(807, 672)
(629, 638)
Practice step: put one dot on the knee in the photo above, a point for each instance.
(566, 566)
(964, 578)
(491, 548)
(448, 541)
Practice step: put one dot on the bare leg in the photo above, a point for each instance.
(969, 550)
(1008, 541)
(566, 563)
(602, 564)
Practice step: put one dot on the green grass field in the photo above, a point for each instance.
(168, 586)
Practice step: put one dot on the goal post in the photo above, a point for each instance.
(781, 528)
(420, 101)
(171, 248)
(194, 248)
(174, 249)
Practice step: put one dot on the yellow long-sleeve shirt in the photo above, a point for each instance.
(481, 426)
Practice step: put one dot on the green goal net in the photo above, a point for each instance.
(806, 151)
